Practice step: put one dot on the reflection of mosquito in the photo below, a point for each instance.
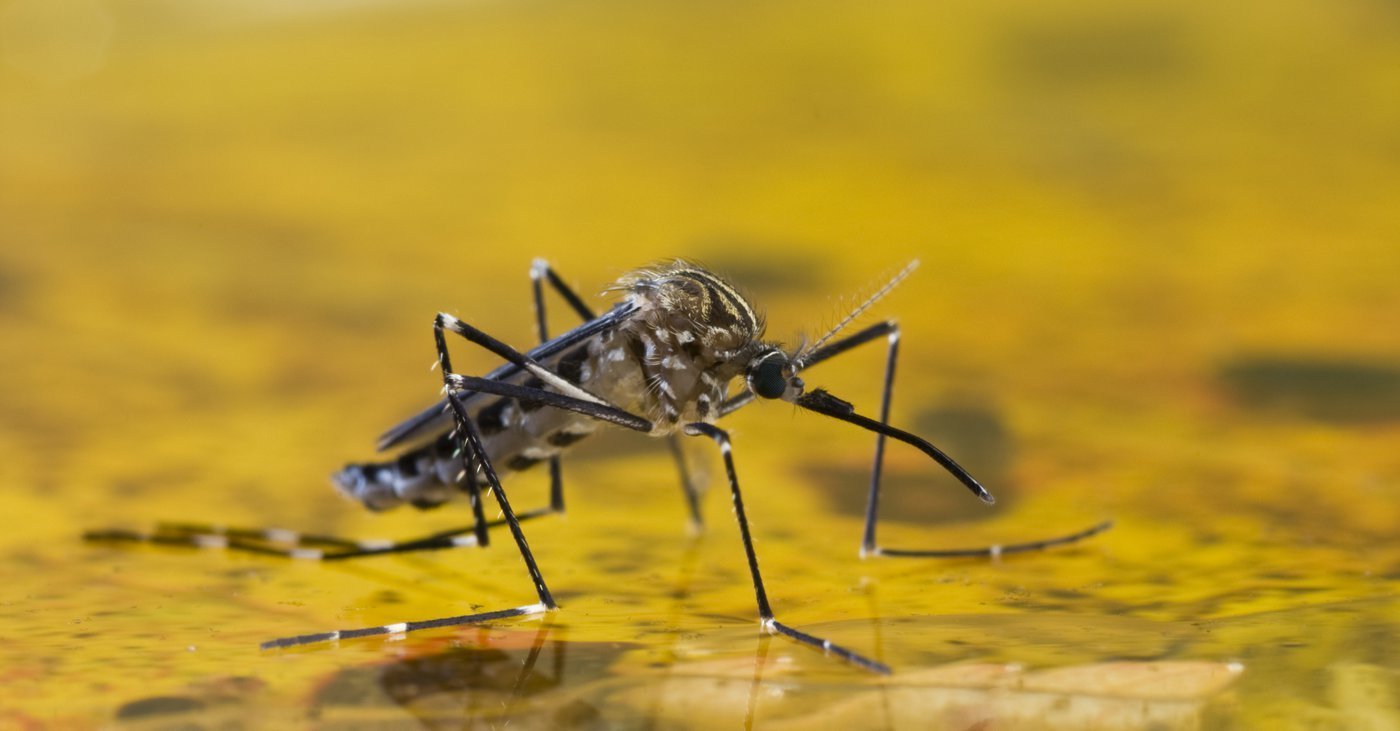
(659, 362)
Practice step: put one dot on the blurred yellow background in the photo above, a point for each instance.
(1160, 248)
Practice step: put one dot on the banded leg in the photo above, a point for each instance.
(769, 622)
(869, 547)
(291, 544)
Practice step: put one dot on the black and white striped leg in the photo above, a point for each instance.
(769, 622)
(403, 627)
(475, 453)
(293, 544)
(869, 546)
(541, 272)
(998, 550)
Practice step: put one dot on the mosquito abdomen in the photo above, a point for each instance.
(433, 473)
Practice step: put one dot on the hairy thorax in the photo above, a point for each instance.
(674, 359)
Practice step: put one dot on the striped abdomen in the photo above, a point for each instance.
(432, 474)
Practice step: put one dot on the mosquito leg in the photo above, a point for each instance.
(447, 323)
(295, 545)
(303, 546)
(688, 486)
(996, 551)
(541, 272)
(872, 504)
(600, 410)
(403, 627)
(292, 544)
(765, 611)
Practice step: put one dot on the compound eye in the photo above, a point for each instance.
(767, 380)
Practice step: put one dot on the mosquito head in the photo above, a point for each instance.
(771, 374)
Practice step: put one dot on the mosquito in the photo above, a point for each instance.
(661, 362)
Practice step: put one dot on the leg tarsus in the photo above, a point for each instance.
(402, 627)
(997, 551)
(828, 647)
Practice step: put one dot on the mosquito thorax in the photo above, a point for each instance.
(693, 333)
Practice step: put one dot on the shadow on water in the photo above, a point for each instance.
(524, 684)
(1325, 389)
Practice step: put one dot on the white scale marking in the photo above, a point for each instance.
(563, 386)
(281, 535)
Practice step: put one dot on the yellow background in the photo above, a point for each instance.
(1160, 247)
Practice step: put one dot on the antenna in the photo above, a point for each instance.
(858, 311)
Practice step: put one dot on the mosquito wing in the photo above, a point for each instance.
(437, 418)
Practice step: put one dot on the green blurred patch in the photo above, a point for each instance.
(1315, 387)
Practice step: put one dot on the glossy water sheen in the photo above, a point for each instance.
(1159, 286)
